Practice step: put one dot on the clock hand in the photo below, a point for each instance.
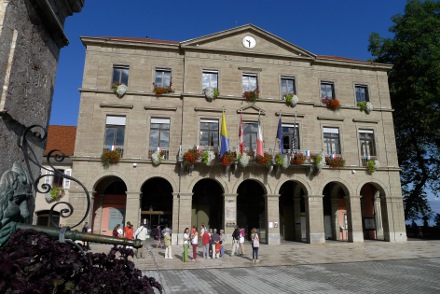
(249, 43)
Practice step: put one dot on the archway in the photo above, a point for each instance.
(292, 212)
(157, 203)
(251, 208)
(207, 204)
(109, 205)
(335, 212)
(372, 208)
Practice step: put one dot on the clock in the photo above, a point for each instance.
(249, 42)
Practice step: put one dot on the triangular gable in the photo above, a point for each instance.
(252, 110)
(232, 40)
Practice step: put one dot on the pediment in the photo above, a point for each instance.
(232, 40)
(252, 110)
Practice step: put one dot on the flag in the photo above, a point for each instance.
(158, 149)
(240, 134)
(280, 136)
(224, 137)
(112, 148)
(308, 153)
(260, 147)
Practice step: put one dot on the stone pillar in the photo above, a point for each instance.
(230, 213)
(185, 205)
(394, 230)
(273, 218)
(315, 219)
(91, 214)
(378, 216)
(175, 221)
(337, 233)
(297, 216)
(133, 203)
(354, 214)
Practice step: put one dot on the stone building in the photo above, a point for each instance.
(172, 99)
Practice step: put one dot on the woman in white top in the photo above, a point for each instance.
(185, 244)
(195, 242)
(255, 244)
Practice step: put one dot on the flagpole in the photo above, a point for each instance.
(275, 143)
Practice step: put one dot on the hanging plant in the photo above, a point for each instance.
(317, 161)
(211, 93)
(243, 159)
(367, 107)
(190, 157)
(298, 158)
(371, 166)
(228, 158)
(251, 96)
(109, 157)
(159, 90)
(332, 103)
(119, 89)
(265, 160)
(208, 157)
(278, 159)
(55, 194)
(157, 157)
(335, 162)
(291, 100)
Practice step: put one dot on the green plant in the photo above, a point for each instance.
(265, 160)
(371, 166)
(216, 92)
(109, 157)
(316, 158)
(288, 98)
(279, 159)
(252, 95)
(208, 157)
(159, 90)
(332, 103)
(56, 192)
(228, 158)
(335, 162)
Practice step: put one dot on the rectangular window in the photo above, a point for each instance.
(209, 79)
(331, 141)
(209, 133)
(361, 93)
(163, 77)
(56, 180)
(290, 137)
(368, 147)
(160, 136)
(327, 90)
(287, 86)
(120, 74)
(250, 82)
(250, 132)
(114, 133)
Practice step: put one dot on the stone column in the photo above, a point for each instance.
(394, 229)
(184, 215)
(297, 216)
(337, 233)
(378, 216)
(230, 213)
(315, 219)
(92, 204)
(354, 214)
(175, 221)
(273, 217)
(133, 203)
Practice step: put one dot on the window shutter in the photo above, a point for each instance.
(49, 178)
(66, 182)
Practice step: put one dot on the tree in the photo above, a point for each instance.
(437, 220)
(415, 96)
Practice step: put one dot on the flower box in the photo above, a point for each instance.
(298, 158)
(228, 158)
(332, 103)
(291, 100)
(335, 162)
(265, 160)
(191, 156)
(109, 157)
(159, 90)
(251, 96)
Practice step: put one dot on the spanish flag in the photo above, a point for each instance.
(224, 137)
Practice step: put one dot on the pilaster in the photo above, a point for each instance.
(395, 230)
(230, 215)
(354, 214)
(132, 208)
(315, 219)
(378, 216)
(175, 221)
(273, 218)
(185, 205)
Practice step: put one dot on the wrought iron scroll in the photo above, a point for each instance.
(38, 134)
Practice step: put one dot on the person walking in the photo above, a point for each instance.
(167, 242)
(194, 242)
(128, 231)
(215, 243)
(205, 243)
(158, 237)
(141, 234)
(241, 241)
(255, 245)
(185, 244)
(117, 231)
(235, 240)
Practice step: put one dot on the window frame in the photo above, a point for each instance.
(162, 71)
(249, 145)
(246, 86)
(330, 140)
(209, 72)
(332, 87)
(160, 121)
(367, 94)
(296, 134)
(369, 143)
(287, 78)
(210, 131)
(116, 123)
(117, 77)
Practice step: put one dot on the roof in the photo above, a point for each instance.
(62, 138)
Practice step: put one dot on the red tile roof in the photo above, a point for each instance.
(61, 137)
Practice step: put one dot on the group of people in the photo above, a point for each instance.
(213, 243)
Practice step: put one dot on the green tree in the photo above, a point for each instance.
(437, 220)
(415, 95)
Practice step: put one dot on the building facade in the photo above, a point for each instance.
(161, 104)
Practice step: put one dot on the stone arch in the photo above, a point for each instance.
(220, 181)
(170, 180)
(336, 209)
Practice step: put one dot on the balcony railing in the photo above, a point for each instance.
(367, 158)
(164, 151)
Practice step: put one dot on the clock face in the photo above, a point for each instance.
(249, 42)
